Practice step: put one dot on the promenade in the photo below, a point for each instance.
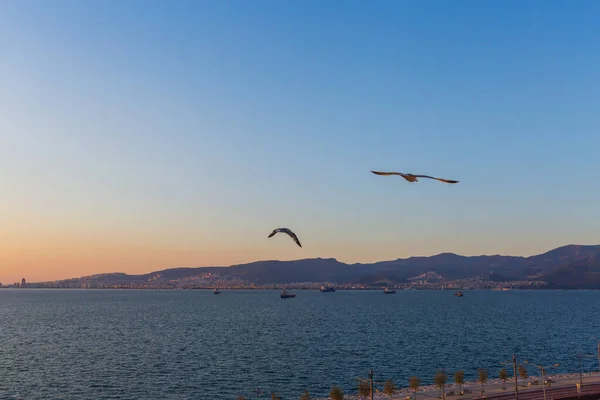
(561, 387)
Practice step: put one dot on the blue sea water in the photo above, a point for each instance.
(151, 344)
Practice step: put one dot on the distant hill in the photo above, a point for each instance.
(572, 266)
(305, 270)
(583, 273)
(450, 266)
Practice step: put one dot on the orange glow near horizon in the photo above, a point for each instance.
(55, 245)
(55, 258)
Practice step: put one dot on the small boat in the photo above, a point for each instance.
(387, 291)
(327, 289)
(458, 294)
(216, 291)
(286, 295)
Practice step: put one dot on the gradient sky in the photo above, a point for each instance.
(143, 135)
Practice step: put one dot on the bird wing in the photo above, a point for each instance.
(289, 232)
(387, 173)
(437, 179)
(293, 236)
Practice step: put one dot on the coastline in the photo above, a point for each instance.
(431, 391)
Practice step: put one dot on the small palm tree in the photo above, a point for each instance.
(503, 377)
(459, 378)
(440, 381)
(414, 384)
(523, 372)
(482, 377)
(336, 393)
(389, 388)
(305, 395)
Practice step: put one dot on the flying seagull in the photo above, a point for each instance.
(286, 230)
(413, 178)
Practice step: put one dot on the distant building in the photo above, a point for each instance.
(23, 282)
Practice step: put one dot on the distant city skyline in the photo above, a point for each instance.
(567, 267)
(137, 136)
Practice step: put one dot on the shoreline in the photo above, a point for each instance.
(306, 289)
(474, 386)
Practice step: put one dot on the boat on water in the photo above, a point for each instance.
(387, 291)
(216, 291)
(286, 295)
(326, 289)
(458, 294)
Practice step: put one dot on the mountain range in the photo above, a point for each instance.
(567, 267)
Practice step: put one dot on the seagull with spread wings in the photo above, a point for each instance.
(289, 232)
(413, 178)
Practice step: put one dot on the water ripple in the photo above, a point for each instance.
(77, 344)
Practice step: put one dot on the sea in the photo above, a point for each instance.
(192, 344)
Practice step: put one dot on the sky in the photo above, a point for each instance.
(142, 135)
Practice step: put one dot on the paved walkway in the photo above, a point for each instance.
(560, 387)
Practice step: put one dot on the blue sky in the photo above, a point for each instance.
(138, 135)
